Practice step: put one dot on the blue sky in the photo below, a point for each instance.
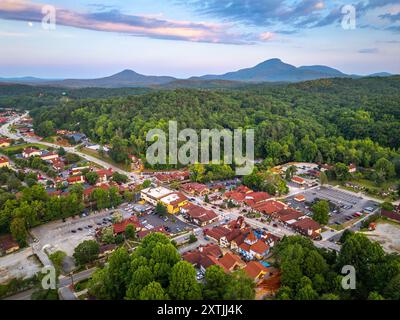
(194, 37)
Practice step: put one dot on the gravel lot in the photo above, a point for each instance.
(22, 264)
(388, 235)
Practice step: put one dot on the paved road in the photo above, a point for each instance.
(4, 130)
(25, 295)
(64, 283)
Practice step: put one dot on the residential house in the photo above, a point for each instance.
(104, 175)
(255, 270)
(76, 179)
(5, 142)
(31, 152)
(231, 262)
(4, 162)
(50, 156)
(254, 248)
(8, 245)
(307, 227)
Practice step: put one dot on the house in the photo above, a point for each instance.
(255, 270)
(5, 142)
(195, 188)
(50, 156)
(76, 137)
(308, 227)
(4, 162)
(107, 249)
(168, 177)
(8, 245)
(145, 232)
(216, 233)
(174, 202)
(198, 215)
(300, 198)
(254, 198)
(154, 195)
(299, 181)
(352, 168)
(254, 248)
(76, 179)
(203, 257)
(31, 152)
(104, 174)
(120, 227)
(231, 262)
(57, 165)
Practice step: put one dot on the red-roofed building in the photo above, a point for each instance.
(104, 174)
(216, 233)
(199, 215)
(300, 198)
(195, 188)
(270, 207)
(5, 142)
(308, 227)
(254, 250)
(298, 180)
(76, 179)
(121, 227)
(4, 162)
(49, 156)
(31, 152)
(144, 233)
(8, 245)
(231, 262)
(255, 270)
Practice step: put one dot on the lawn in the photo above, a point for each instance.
(373, 190)
(23, 146)
(105, 158)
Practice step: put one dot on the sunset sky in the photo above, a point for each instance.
(194, 37)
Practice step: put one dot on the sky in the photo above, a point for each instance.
(183, 38)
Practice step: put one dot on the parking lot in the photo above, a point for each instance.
(151, 220)
(344, 205)
(67, 235)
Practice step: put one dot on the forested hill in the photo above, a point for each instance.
(335, 120)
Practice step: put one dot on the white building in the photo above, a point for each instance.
(154, 195)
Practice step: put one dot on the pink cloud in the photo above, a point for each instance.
(136, 25)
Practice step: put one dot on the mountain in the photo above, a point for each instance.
(381, 74)
(126, 78)
(276, 70)
(24, 80)
(273, 70)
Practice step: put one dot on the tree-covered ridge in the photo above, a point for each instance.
(335, 120)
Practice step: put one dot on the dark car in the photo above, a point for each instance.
(73, 231)
(80, 229)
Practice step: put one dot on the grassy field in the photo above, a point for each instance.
(104, 158)
(23, 146)
(372, 188)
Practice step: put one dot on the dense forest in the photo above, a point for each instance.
(332, 120)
